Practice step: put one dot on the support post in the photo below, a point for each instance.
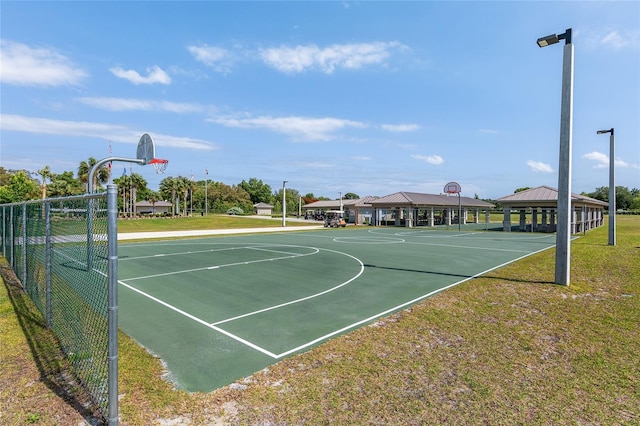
(112, 274)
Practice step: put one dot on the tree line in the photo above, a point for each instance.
(188, 195)
(185, 195)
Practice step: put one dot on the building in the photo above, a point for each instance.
(357, 212)
(262, 209)
(537, 209)
(147, 208)
(412, 209)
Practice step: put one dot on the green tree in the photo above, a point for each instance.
(521, 189)
(624, 197)
(222, 197)
(21, 187)
(169, 188)
(258, 191)
(293, 197)
(153, 197)
(64, 184)
(101, 176)
(44, 173)
(351, 196)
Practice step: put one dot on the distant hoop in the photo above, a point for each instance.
(159, 164)
(452, 188)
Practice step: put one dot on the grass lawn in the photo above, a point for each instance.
(213, 221)
(506, 348)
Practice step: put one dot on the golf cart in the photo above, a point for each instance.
(334, 218)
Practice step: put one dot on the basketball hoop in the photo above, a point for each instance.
(159, 164)
(453, 188)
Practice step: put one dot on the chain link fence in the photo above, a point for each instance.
(64, 251)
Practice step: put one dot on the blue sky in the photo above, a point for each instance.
(364, 97)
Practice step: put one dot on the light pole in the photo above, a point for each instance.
(563, 231)
(612, 187)
(284, 203)
(340, 201)
(206, 205)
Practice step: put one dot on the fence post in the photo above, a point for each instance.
(24, 247)
(47, 261)
(4, 235)
(112, 266)
(12, 243)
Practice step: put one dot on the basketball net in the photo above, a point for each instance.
(159, 164)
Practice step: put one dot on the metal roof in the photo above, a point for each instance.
(330, 204)
(545, 194)
(435, 200)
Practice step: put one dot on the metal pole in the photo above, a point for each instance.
(284, 203)
(206, 204)
(12, 243)
(459, 212)
(47, 253)
(4, 235)
(112, 274)
(563, 235)
(24, 247)
(612, 191)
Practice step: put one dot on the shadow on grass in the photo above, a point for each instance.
(55, 371)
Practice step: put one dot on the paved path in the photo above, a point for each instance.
(194, 233)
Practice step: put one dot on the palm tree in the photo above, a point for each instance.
(137, 181)
(184, 184)
(170, 185)
(154, 197)
(100, 176)
(45, 174)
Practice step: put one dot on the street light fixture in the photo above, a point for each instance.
(612, 186)
(563, 231)
(553, 39)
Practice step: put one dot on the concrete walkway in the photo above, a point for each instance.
(205, 232)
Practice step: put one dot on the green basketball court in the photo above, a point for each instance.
(219, 309)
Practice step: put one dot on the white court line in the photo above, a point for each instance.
(200, 321)
(303, 298)
(213, 326)
(291, 256)
(388, 311)
(177, 254)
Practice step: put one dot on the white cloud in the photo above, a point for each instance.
(538, 166)
(300, 128)
(400, 127)
(431, 159)
(489, 131)
(602, 161)
(23, 65)
(361, 158)
(110, 132)
(619, 40)
(122, 104)
(218, 58)
(615, 39)
(345, 56)
(155, 75)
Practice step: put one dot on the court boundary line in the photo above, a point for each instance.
(290, 256)
(258, 348)
(200, 321)
(398, 307)
(239, 339)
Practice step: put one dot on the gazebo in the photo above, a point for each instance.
(542, 205)
(412, 209)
